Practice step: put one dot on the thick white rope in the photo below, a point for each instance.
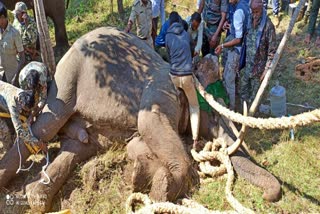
(261, 123)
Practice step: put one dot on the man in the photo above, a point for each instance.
(178, 46)
(312, 23)
(195, 29)
(160, 42)
(141, 13)
(261, 47)
(214, 15)
(27, 29)
(158, 10)
(34, 77)
(10, 46)
(233, 42)
(17, 101)
(275, 9)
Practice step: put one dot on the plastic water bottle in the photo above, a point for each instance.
(278, 100)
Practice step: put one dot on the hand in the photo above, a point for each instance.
(25, 18)
(213, 42)
(226, 26)
(218, 50)
(195, 54)
(126, 30)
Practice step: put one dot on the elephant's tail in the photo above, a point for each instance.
(257, 176)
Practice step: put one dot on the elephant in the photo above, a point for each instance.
(108, 86)
(55, 9)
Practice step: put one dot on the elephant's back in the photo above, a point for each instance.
(114, 70)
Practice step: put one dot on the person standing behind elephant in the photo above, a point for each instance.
(158, 10)
(10, 46)
(27, 29)
(214, 14)
(34, 77)
(195, 29)
(312, 28)
(233, 44)
(261, 47)
(141, 13)
(179, 50)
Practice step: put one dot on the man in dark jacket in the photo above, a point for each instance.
(179, 50)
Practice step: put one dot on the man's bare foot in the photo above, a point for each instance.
(318, 42)
(307, 39)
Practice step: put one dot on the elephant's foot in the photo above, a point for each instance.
(163, 186)
(72, 153)
(10, 163)
(257, 176)
(145, 164)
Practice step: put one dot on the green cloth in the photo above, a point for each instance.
(217, 90)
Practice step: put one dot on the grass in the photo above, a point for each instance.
(98, 186)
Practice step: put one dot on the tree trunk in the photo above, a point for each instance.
(120, 7)
(111, 6)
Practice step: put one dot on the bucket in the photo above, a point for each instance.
(278, 101)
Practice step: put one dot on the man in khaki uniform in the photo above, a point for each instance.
(10, 46)
(141, 13)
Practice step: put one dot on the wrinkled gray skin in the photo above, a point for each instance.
(55, 9)
(108, 86)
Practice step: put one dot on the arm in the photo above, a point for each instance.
(272, 47)
(162, 12)
(201, 6)
(132, 18)
(20, 51)
(214, 38)
(200, 39)
(238, 21)
(17, 124)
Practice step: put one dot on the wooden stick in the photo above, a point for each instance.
(275, 60)
(47, 54)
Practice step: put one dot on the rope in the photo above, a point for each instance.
(187, 206)
(7, 115)
(216, 150)
(20, 159)
(261, 123)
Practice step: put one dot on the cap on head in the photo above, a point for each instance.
(20, 7)
(26, 99)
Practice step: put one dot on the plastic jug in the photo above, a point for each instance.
(278, 100)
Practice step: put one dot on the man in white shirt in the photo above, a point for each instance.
(233, 44)
(158, 10)
(195, 29)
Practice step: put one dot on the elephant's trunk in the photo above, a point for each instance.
(257, 176)
(10, 163)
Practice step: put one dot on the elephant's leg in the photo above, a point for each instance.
(75, 131)
(162, 184)
(145, 164)
(10, 163)
(72, 153)
(165, 144)
(257, 176)
(58, 18)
